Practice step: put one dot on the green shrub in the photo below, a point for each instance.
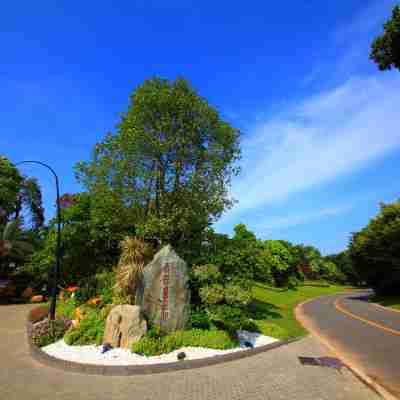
(199, 319)
(207, 273)
(89, 331)
(270, 329)
(215, 339)
(107, 296)
(105, 282)
(213, 294)
(87, 290)
(234, 294)
(66, 309)
(228, 318)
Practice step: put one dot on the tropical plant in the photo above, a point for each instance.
(19, 195)
(135, 252)
(93, 224)
(14, 244)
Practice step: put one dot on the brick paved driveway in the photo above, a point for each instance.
(276, 375)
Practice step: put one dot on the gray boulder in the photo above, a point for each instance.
(164, 294)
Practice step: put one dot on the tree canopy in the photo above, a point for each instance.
(375, 250)
(18, 194)
(170, 162)
(385, 49)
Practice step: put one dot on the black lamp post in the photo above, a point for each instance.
(56, 268)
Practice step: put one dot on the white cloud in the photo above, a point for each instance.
(325, 136)
(366, 22)
(264, 225)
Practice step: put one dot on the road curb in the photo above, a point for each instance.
(385, 308)
(127, 370)
(356, 370)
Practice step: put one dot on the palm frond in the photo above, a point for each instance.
(22, 247)
(11, 230)
(135, 253)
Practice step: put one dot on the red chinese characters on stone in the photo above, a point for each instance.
(164, 292)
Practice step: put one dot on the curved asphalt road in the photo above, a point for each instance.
(367, 335)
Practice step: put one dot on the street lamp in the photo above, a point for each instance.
(56, 267)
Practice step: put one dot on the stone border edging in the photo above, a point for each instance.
(125, 370)
(347, 362)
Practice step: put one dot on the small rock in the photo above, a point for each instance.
(106, 347)
(181, 355)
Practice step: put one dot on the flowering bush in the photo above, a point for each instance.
(212, 294)
(235, 294)
(47, 331)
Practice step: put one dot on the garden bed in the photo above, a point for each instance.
(92, 354)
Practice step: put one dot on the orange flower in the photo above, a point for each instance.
(72, 289)
(37, 299)
(95, 301)
(78, 314)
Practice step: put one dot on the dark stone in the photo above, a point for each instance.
(106, 347)
(248, 344)
(181, 355)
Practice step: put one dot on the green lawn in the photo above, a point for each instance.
(274, 308)
(389, 301)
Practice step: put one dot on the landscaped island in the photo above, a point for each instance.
(142, 267)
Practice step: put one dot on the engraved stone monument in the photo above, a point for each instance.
(165, 296)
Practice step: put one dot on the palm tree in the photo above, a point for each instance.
(19, 196)
(14, 244)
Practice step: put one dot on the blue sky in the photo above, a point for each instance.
(320, 123)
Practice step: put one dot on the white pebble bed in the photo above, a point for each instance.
(92, 354)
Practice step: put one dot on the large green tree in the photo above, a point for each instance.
(344, 264)
(375, 250)
(17, 195)
(385, 49)
(170, 162)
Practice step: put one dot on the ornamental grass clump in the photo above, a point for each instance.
(135, 253)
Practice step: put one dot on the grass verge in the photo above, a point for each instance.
(273, 307)
(388, 301)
